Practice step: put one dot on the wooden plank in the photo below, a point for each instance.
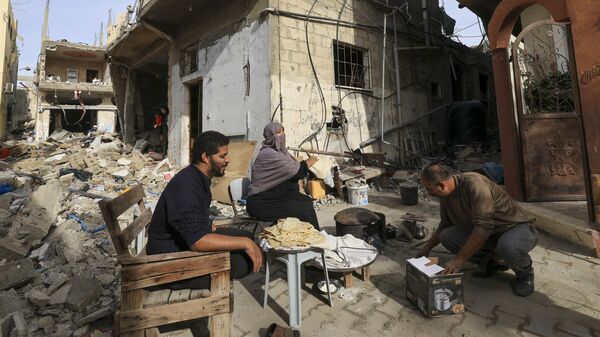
(131, 301)
(132, 260)
(152, 332)
(178, 296)
(220, 325)
(140, 319)
(113, 227)
(199, 293)
(157, 297)
(135, 227)
(125, 200)
(210, 263)
(366, 274)
(348, 280)
(166, 278)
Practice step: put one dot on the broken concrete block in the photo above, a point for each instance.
(40, 253)
(121, 173)
(67, 178)
(83, 331)
(5, 201)
(10, 301)
(123, 162)
(57, 159)
(16, 273)
(83, 292)
(38, 298)
(14, 325)
(47, 324)
(96, 315)
(55, 281)
(106, 278)
(60, 296)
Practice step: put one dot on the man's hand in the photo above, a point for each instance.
(453, 266)
(423, 252)
(255, 255)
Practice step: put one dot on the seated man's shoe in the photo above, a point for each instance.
(523, 285)
(491, 269)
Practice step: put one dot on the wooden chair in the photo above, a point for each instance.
(143, 311)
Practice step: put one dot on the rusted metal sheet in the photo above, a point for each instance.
(552, 157)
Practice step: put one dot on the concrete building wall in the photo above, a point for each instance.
(302, 113)
(8, 63)
(233, 67)
(58, 67)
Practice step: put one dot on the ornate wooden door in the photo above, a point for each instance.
(548, 113)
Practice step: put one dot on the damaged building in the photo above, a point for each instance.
(234, 67)
(74, 90)
(8, 66)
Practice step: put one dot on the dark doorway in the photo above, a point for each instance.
(73, 120)
(90, 75)
(195, 112)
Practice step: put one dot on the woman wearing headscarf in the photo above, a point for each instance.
(274, 192)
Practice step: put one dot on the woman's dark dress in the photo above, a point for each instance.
(283, 201)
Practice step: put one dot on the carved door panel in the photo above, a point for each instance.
(552, 157)
(548, 113)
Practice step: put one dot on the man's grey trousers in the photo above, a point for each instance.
(513, 246)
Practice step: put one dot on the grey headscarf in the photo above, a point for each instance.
(274, 164)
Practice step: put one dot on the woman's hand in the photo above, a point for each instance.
(311, 161)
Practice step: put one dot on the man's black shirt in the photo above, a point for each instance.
(181, 216)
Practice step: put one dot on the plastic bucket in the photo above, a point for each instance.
(409, 194)
(358, 194)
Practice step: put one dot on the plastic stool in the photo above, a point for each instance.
(293, 261)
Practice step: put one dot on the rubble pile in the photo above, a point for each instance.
(58, 270)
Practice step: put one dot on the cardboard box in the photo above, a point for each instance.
(434, 295)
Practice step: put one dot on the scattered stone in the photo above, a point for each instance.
(38, 298)
(96, 315)
(40, 253)
(106, 278)
(60, 296)
(83, 292)
(10, 302)
(47, 324)
(16, 274)
(67, 178)
(121, 173)
(14, 325)
(123, 162)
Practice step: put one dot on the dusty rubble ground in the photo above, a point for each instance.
(58, 273)
(59, 277)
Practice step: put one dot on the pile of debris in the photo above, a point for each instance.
(58, 271)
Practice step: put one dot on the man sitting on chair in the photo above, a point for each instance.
(181, 218)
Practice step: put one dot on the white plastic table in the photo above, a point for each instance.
(294, 260)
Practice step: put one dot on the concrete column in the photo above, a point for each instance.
(42, 125)
(106, 120)
(129, 110)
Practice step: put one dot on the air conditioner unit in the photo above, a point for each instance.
(9, 88)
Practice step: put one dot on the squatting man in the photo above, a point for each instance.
(481, 223)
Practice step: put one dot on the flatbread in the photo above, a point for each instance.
(291, 232)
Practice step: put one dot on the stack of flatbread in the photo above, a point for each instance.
(291, 232)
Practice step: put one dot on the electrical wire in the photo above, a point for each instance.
(320, 90)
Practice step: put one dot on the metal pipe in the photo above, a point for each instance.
(398, 84)
(383, 141)
(325, 153)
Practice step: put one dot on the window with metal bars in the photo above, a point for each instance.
(189, 59)
(351, 66)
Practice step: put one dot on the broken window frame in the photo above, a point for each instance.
(189, 59)
(355, 73)
(72, 78)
